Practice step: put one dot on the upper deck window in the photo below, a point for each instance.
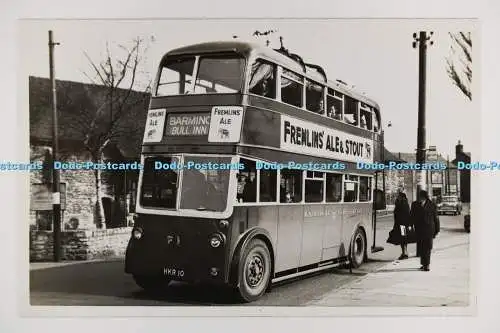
(219, 75)
(366, 117)
(376, 120)
(263, 79)
(214, 75)
(314, 97)
(351, 111)
(334, 104)
(292, 88)
(176, 76)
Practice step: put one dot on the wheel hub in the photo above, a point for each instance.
(255, 270)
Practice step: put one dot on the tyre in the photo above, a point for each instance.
(254, 271)
(358, 248)
(151, 282)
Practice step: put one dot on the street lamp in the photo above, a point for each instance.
(421, 40)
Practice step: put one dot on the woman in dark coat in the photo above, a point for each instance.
(402, 218)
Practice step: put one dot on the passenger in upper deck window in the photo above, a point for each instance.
(321, 106)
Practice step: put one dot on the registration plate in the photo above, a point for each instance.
(173, 272)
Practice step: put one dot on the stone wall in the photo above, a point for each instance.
(80, 244)
(80, 188)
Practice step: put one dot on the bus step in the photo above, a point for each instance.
(377, 249)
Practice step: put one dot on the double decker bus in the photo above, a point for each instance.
(249, 171)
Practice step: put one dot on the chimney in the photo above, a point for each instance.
(459, 149)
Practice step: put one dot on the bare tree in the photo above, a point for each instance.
(459, 63)
(104, 113)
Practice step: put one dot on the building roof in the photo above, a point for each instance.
(412, 158)
(77, 107)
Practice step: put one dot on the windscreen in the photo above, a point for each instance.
(199, 183)
(216, 74)
(159, 187)
(205, 185)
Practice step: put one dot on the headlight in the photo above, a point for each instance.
(137, 232)
(223, 224)
(216, 240)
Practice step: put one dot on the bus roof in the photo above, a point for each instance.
(246, 48)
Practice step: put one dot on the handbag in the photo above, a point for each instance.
(411, 235)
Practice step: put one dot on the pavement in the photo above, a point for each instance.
(401, 283)
(34, 266)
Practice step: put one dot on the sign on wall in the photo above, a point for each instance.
(303, 137)
(154, 125)
(41, 196)
(225, 124)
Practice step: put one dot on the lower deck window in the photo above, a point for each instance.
(290, 186)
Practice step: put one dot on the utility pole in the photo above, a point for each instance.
(448, 185)
(56, 194)
(422, 40)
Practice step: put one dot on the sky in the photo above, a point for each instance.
(375, 56)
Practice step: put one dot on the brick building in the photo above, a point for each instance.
(78, 106)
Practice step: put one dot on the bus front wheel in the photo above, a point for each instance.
(254, 271)
(358, 248)
(151, 283)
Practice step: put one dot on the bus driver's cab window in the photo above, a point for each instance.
(263, 79)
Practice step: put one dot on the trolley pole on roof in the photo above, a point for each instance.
(422, 40)
(56, 194)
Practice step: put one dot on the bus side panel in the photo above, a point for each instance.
(265, 217)
(354, 215)
(332, 232)
(312, 234)
(289, 237)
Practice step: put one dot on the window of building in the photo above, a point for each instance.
(314, 97)
(292, 88)
(44, 220)
(351, 111)
(263, 79)
(365, 189)
(290, 186)
(314, 184)
(247, 182)
(333, 187)
(351, 188)
(267, 184)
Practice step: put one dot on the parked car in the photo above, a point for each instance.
(450, 204)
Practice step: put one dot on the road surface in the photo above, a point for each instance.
(105, 283)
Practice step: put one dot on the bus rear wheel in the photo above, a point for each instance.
(254, 271)
(358, 248)
(151, 282)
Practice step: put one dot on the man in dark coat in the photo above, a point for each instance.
(424, 216)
